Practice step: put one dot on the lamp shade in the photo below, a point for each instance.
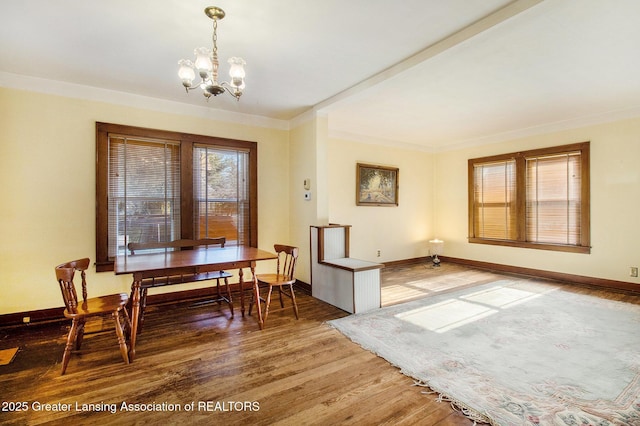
(237, 68)
(436, 246)
(186, 72)
(203, 60)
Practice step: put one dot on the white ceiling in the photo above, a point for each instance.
(426, 74)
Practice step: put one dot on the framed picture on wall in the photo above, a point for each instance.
(376, 185)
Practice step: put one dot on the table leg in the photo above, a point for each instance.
(256, 294)
(135, 316)
(241, 284)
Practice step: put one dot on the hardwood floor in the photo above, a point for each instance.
(293, 372)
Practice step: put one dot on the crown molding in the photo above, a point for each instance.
(77, 91)
(454, 145)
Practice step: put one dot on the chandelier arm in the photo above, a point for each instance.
(235, 93)
(195, 86)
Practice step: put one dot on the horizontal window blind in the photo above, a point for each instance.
(554, 198)
(221, 194)
(143, 193)
(494, 200)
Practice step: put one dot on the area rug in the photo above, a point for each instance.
(515, 352)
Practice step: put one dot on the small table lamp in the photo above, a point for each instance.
(435, 248)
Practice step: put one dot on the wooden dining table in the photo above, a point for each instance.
(188, 263)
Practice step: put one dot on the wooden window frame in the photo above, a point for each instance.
(520, 159)
(187, 141)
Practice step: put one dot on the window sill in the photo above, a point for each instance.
(537, 246)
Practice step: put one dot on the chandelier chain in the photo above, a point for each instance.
(214, 53)
(214, 37)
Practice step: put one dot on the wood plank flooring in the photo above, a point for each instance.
(291, 373)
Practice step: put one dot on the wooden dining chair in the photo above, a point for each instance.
(79, 311)
(283, 280)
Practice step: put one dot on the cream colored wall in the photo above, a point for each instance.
(307, 152)
(47, 175)
(399, 232)
(615, 203)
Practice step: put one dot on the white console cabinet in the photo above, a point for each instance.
(350, 284)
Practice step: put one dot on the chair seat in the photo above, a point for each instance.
(274, 279)
(99, 306)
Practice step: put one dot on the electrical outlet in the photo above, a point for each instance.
(633, 271)
(378, 253)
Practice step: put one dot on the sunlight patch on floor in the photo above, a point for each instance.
(452, 313)
(446, 315)
(501, 297)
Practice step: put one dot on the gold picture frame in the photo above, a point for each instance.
(376, 185)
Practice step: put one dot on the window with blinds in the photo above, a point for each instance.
(144, 192)
(535, 199)
(221, 193)
(554, 198)
(494, 193)
(156, 185)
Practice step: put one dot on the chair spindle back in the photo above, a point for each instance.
(287, 259)
(65, 274)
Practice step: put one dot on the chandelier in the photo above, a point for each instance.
(206, 64)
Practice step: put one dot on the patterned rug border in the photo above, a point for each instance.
(459, 406)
